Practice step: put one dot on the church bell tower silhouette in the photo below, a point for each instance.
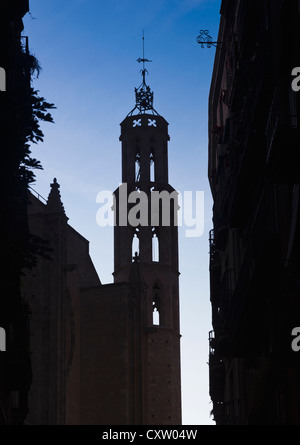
(146, 252)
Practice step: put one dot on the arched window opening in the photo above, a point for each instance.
(155, 247)
(135, 246)
(137, 165)
(155, 317)
(156, 305)
(152, 167)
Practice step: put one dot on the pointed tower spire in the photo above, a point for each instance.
(143, 94)
(54, 202)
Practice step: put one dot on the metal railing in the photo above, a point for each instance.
(279, 118)
(39, 197)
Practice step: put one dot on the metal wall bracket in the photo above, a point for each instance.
(205, 39)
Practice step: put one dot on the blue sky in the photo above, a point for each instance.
(88, 51)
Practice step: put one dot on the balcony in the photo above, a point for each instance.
(233, 192)
(215, 270)
(244, 304)
(282, 139)
(216, 372)
(215, 262)
(221, 231)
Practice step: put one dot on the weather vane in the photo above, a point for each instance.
(144, 71)
(205, 39)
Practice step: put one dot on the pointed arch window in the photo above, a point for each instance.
(135, 245)
(156, 305)
(137, 174)
(155, 247)
(152, 166)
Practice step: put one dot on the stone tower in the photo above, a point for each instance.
(146, 251)
(109, 354)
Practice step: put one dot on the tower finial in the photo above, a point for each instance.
(143, 94)
(143, 44)
(144, 70)
(54, 203)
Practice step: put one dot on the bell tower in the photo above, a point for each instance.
(146, 251)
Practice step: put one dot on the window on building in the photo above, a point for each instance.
(155, 247)
(156, 317)
(137, 165)
(135, 245)
(152, 166)
(156, 305)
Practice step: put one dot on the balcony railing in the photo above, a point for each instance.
(214, 253)
(216, 372)
(211, 343)
(280, 121)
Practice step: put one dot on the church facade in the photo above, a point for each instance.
(109, 354)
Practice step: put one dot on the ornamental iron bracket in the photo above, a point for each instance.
(205, 39)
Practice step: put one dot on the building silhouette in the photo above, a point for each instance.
(15, 101)
(254, 174)
(109, 354)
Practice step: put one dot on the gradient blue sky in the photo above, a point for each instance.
(88, 51)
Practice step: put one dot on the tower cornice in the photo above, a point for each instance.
(143, 124)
